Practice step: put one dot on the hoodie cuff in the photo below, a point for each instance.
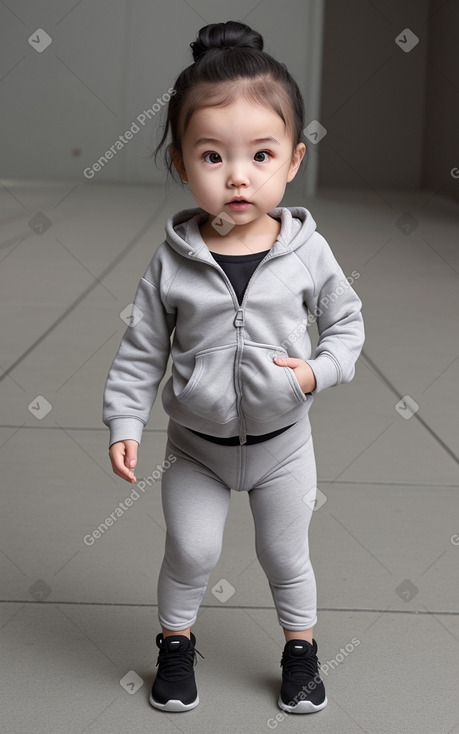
(124, 429)
(325, 372)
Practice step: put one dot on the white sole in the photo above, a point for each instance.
(174, 704)
(302, 707)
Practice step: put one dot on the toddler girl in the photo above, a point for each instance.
(228, 295)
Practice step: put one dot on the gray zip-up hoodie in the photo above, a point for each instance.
(224, 381)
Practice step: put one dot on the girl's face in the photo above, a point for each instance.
(239, 151)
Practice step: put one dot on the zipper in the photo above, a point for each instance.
(239, 325)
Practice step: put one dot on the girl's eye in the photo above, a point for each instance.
(206, 155)
(262, 152)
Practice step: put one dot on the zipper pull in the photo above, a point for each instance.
(239, 318)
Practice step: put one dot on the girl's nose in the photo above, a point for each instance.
(237, 177)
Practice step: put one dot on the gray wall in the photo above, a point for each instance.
(391, 117)
(441, 131)
(373, 94)
(108, 62)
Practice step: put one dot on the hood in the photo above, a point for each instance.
(184, 236)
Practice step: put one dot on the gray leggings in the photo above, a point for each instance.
(280, 477)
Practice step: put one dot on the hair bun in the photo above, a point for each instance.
(231, 34)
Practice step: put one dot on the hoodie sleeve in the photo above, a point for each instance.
(337, 309)
(138, 366)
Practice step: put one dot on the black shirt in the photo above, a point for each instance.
(239, 269)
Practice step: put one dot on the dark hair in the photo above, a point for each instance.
(229, 61)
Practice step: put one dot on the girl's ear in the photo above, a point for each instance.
(297, 157)
(177, 160)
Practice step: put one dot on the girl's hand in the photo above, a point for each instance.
(123, 455)
(303, 372)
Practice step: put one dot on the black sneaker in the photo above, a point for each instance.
(174, 688)
(303, 690)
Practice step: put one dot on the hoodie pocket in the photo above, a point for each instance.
(210, 391)
(268, 390)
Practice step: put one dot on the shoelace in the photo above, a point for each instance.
(294, 665)
(177, 665)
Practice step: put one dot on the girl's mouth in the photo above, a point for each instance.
(239, 206)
